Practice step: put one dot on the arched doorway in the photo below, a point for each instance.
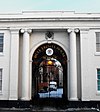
(49, 72)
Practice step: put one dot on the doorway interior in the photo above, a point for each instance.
(49, 72)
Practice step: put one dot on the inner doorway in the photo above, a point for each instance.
(50, 80)
(49, 72)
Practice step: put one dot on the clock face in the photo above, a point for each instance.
(49, 51)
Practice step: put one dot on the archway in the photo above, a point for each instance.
(49, 72)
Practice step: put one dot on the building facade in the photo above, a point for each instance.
(37, 47)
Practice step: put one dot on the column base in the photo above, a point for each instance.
(13, 99)
(73, 99)
(25, 99)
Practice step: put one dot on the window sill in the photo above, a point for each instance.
(0, 92)
(98, 93)
(2, 54)
(97, 54)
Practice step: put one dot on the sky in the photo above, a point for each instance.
(84, 6)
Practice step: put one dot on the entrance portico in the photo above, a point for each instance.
(72, 82)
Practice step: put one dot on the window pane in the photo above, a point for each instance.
(1, 34)
(1, 49)
(98, 41)
(98, 71)
(0, 79)
(98, 82)
(1, 39)
(0, 88)
(1, 42)
(97, 34)
(98, 47)
(0, 76)
(98, 76)
(0, 85)
(98, 79)
(99, 88)
(0, 71)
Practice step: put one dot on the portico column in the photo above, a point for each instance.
(25, 65)
(73, 66)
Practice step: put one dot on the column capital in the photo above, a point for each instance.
(26, 30)
(76, 30)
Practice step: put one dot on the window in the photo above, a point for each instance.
(0, 79)
(98, 79)
(97, 41)
(1, 41)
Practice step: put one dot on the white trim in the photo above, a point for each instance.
(97, 54)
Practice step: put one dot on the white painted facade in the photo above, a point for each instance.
(25, 32)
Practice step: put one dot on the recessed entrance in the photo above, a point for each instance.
(50, 80)
(49, 72)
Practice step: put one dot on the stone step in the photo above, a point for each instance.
(48, 109)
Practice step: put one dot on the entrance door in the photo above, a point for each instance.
(49, 72)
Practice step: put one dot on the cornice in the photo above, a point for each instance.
(33, 16)
(54, 19)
